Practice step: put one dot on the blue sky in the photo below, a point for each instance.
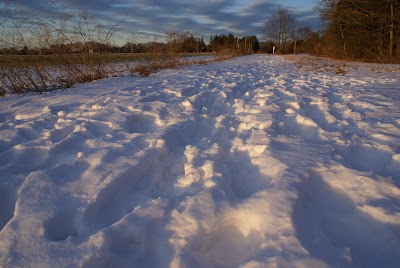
(149, 18)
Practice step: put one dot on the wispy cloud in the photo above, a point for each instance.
(147, 18)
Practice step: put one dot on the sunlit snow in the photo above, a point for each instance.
(252, 162)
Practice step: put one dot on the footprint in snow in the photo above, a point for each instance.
(332, 228)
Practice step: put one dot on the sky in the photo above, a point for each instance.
(148, 20)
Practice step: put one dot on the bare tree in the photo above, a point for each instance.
(280, 27)
(333, 17)
(362, 29)
(15, 22)
(131, 41)
(175, 39)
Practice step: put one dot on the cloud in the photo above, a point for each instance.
(201, 17)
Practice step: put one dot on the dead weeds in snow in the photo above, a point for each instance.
(325, 65)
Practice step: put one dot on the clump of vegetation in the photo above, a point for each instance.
(71, 40)
(146, 67)
(315, 64)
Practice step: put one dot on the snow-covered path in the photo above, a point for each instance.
(251, 162)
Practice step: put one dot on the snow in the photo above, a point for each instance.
(252, 162)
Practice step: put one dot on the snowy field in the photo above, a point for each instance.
(252, 162)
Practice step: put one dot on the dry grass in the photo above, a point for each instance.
(42, 76)
(21, 74)
(340, 67)
(146, 67)
(315, 64)
(7, 61)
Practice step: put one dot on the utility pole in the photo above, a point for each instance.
(295, 40)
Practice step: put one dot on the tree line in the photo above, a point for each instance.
(366, 30)
(179, 42)
(223, 42)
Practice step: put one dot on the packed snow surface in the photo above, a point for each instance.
(252, 162)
